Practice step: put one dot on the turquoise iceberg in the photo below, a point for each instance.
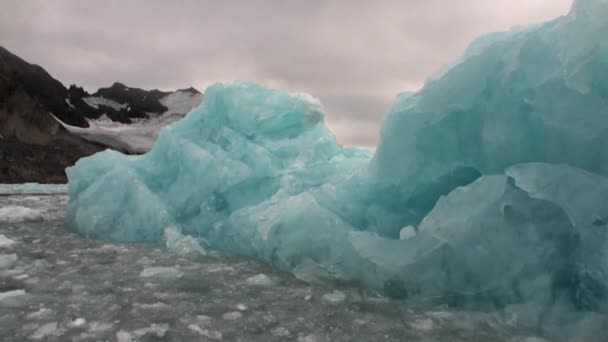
(488, 187)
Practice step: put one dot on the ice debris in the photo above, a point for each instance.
(15, 298)
(163, 273)
(497, 168)
(182, 245)
(5, 242)
(7, 261)
(15, 214)
(259, 280)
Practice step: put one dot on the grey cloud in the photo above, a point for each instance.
(353, 55)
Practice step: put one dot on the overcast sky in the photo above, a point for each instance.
(354, 55)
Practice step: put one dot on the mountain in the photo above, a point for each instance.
(45, 127)
(129, 119)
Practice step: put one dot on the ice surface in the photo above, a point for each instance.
(488, 187)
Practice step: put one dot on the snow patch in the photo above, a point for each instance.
(181, 102)
(69, 103)
(96, 102)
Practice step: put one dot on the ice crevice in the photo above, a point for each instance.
(489, 186)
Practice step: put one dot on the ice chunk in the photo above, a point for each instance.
(212, 334)
(7, 261)
(78, 322)
(123, 336)
(41, 313)
(584, 197)
(259, 280)
(15, 214)
(182, 245)
(5, 242)
(407, 233)
(335, 297)
(233, 315)
(15, 298)
(46, 330)
(164, 273)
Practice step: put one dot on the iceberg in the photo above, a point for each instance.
(488, 187)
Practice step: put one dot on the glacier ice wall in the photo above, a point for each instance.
(489, 185)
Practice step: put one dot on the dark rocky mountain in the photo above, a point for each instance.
(34, 147)
(125, 103)
(20, 77)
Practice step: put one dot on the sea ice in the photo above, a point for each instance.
(7, 261)
(5, 242)
(182, 245)
(15, 298)
(164, 273)
(15, 214)
(496, 168)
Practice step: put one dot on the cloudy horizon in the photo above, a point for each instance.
(354, 56)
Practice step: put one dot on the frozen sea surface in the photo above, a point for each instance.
(65, 287)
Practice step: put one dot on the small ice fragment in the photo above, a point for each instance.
(16, 214)
(280, 332)
(335, 297)
(99, 327)
(5, 242)
(308, 338)
(212, 334)
(157, 330)
(407, 233)
(78, 322)
(423, 324)
(123, 336)
(15, 298)
(234, 315)
(42, 313)
(165, 273)
(7, 261)
(48, 329)
(259, 280)
(21, 276)
(182, 245)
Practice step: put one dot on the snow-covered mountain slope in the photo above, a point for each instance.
(139, 136)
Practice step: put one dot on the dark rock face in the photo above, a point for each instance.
(17, 75)
(24, 162)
